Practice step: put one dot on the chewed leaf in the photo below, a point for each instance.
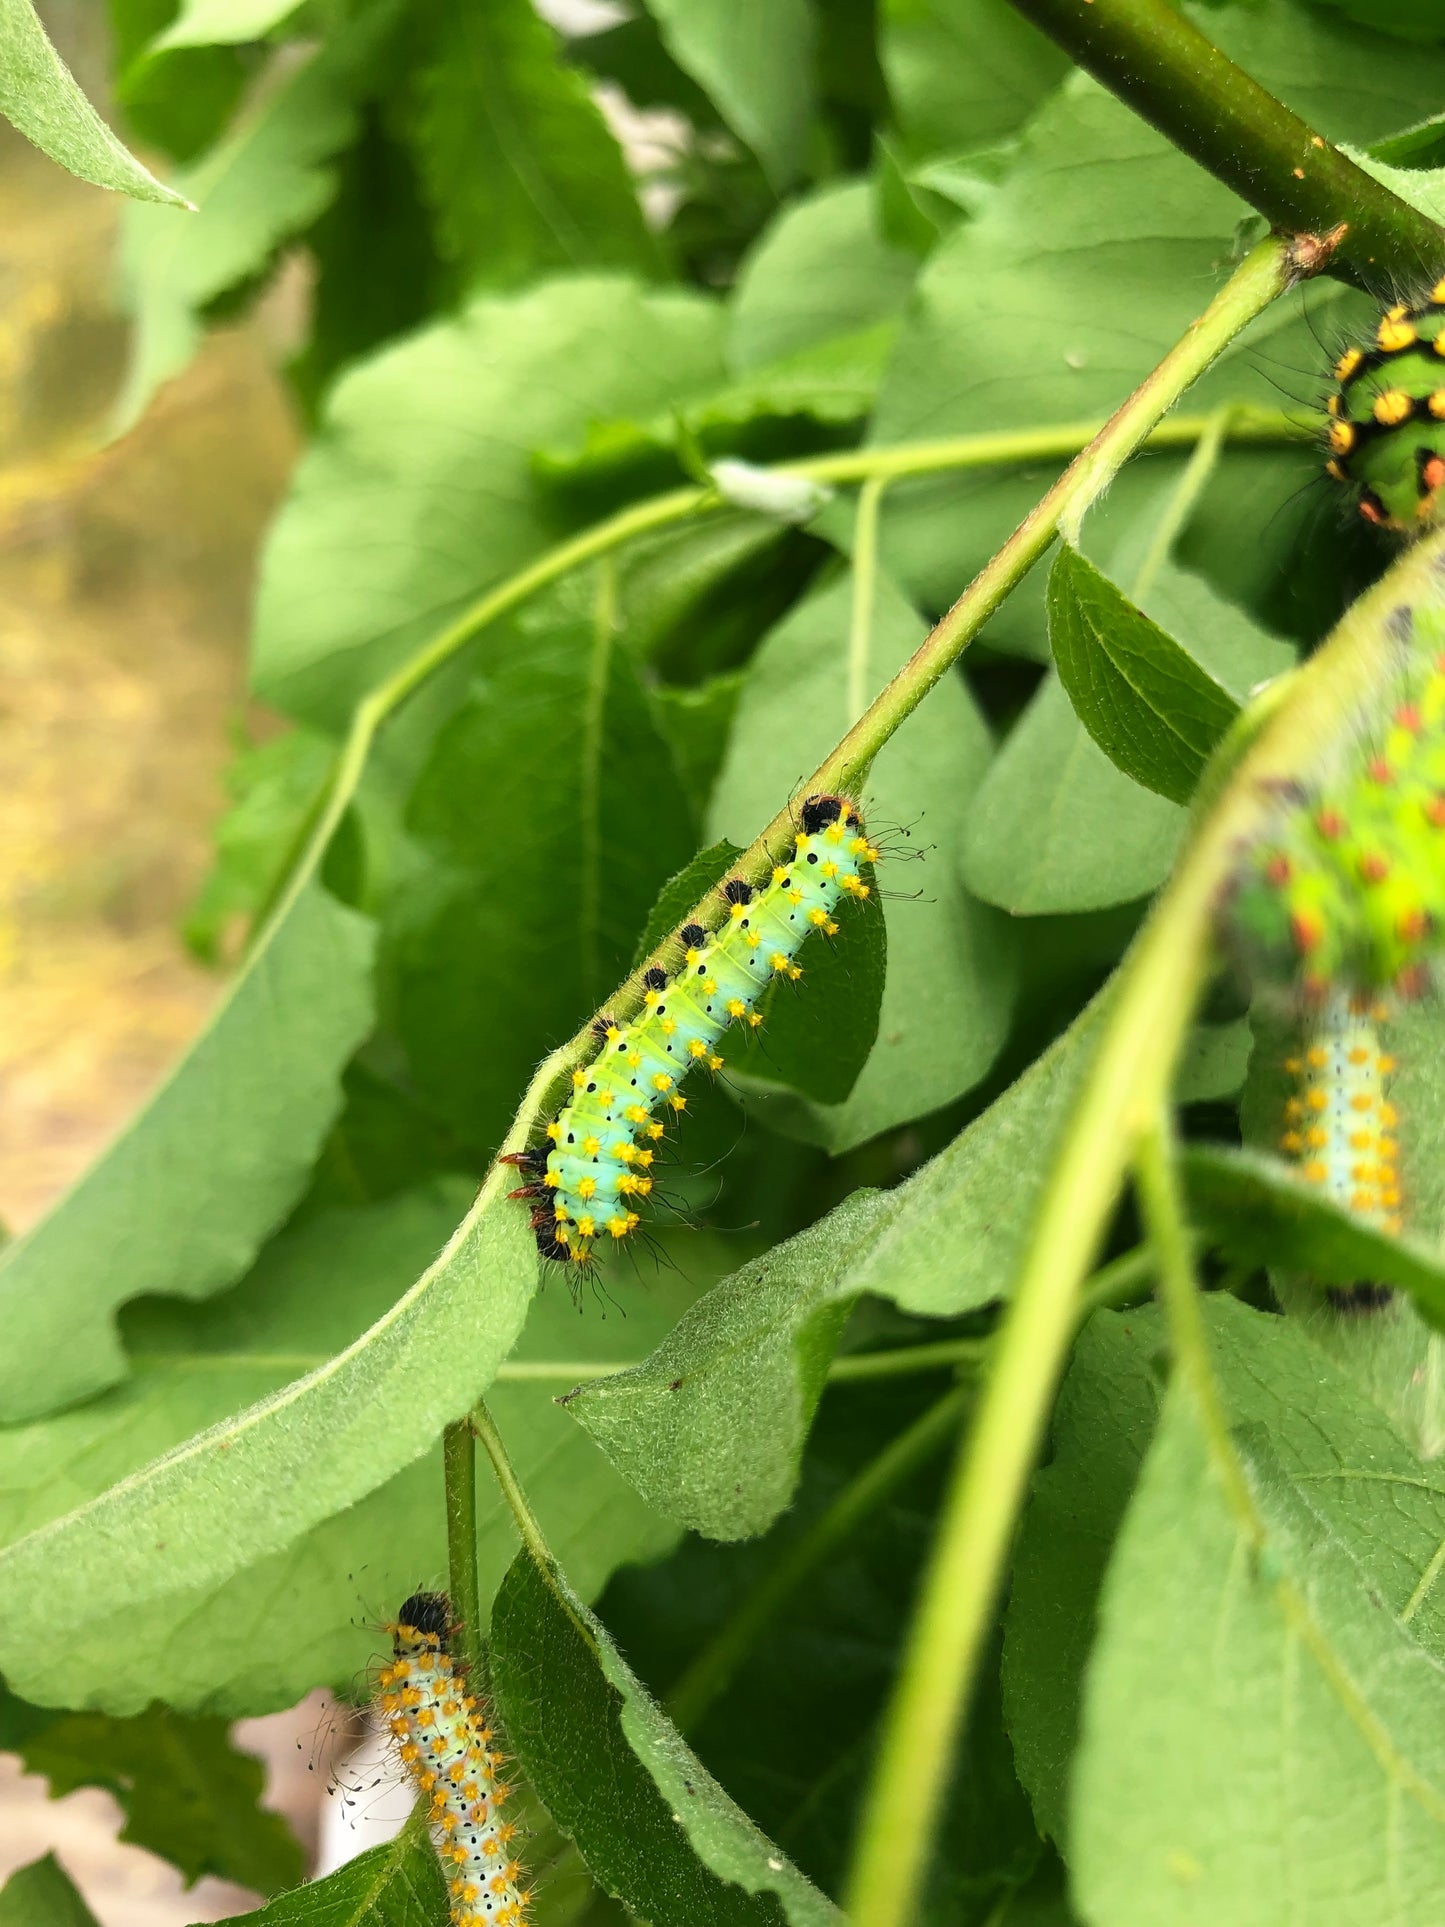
(183, 1198)
(655, 1828)
(39, 95)
(188, 1794)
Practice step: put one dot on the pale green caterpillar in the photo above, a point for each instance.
(598, 1163)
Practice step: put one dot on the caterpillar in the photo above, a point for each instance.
(445, 1744)
(1349, 887)
(597, 1163)
(1386, 426)
(1339, 1126)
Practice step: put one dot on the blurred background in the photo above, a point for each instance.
(125, 572)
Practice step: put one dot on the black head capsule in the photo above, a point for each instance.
(427, 1612)
(820, 811)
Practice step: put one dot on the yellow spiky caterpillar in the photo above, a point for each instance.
(1340, 1124)
(597, 1164)
(445, 1743)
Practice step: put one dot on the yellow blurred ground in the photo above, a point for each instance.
(125, 576)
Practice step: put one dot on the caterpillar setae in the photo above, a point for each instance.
(1340, 1124)
(446, 1748)
(1387, 417)
(1346, 886)
(598, 1161)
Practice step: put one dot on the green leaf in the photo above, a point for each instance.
(396, 1885)
(678, 895)
(1346, 1460)
(187, 1793)
(711, 1427)
(696, 724)
(268, 178)
(1056, 825)
(385, 538)
(1260, 1735)
(272, 786)
(553, 815)
(755, 61)
(1257, 1208)
(251, 1485)
(210, 23)
(655, 1828)
(963, 72)
(820, 269)
(39, 95)
(182, 1199)
(1213, 1062)
(950, 982)
(263, 1628)
(1146, 702)
(1091, 257)
(41, 1895)
(521, 169)
(792, 1749)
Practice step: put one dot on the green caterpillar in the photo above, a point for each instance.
(598, 1162)
(1387, 418)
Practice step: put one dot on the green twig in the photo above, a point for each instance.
(715, 1667)
(865, 590)
(1167, 70)
(1182, 502)
(485, 1428)
(1128, 1082)
(459, 1463)
(1250, 426)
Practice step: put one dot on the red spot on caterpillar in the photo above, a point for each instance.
(1374, 867)
(1379, 770)
(1412, 925)
(1308, 929)
(1413, 981)
(1408, 717)
(1279, 870)
(1330, 824)
(1435, 811)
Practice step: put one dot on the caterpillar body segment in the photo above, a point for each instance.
(446, 1747)
(1346, 885)
(597, 1166)
(1340, 1124)
(1387, 417)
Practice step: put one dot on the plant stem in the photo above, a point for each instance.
(1161, 1205)
(1159, 62)
(958, 454)
(1182, 502)
(459, 1463)
(715, 1667)
(484, 1426)
(1122, 1094)
(865, 586)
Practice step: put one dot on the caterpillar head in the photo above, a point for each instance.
(1387, 418)
(424, 1615)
